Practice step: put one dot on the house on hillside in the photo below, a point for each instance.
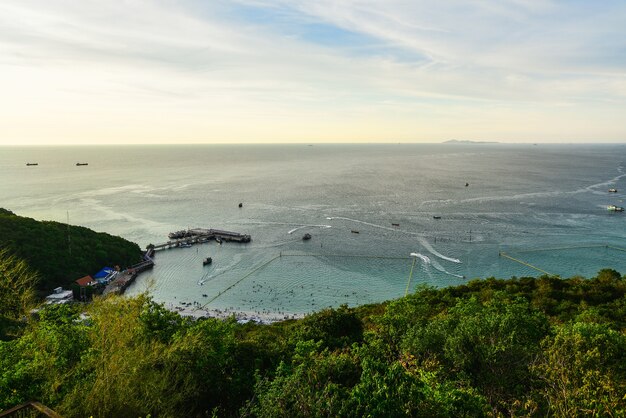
(106, 275)
(86, 281)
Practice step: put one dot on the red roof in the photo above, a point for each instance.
(85, 281)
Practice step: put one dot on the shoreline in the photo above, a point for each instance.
(242, 317)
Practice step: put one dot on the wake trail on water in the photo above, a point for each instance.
(206, 277)
(427, 261)
(422, 240)
(606, 183)
(219, 272)
(330, 218)
(431, 250)
(586, 189)
(422, 257)
(439, 267)
(308, 226)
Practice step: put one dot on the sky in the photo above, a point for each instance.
(261, 71)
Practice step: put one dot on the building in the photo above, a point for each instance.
(85, 281)
(59, 296)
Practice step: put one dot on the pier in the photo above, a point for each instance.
(177, 239)
(127, 277)
(199, 236)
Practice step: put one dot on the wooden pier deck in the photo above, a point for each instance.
(199, 236)
(127, 277)
(177, 239)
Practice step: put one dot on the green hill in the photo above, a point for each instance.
(57, 260)
(493, 348)
(520, 347)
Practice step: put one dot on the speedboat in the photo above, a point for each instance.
(612, 190)
(306, 237)
(206, 261)
(614, 208)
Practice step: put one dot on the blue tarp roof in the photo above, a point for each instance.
(103, 273)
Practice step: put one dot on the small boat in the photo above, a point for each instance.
(466, 184)
(218, 240)
(206, 261)
(354, 231)
(395, 224)
(614, 208)
(240, 205)
(79, 164)
(29, 164)
(306, 237)
(612, 190)
(204, 295)
(436, 217)
(185, 245)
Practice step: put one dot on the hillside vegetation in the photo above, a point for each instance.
(57, 261)
(518, 347)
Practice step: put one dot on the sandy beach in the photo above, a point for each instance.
(197, 312)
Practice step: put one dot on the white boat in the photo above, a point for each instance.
(612, 190)
(614, 208)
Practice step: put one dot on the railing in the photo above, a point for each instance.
(30, 410)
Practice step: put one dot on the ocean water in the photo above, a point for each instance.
(527, 209)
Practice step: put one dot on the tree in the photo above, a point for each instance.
(314, 384)
(124, 373)
(41, 364)
(489, 345)
(583, 368)
(336, 328)
(17, 295)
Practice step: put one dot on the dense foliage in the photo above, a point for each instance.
(17, 296)
(517, 347)
(55, 259)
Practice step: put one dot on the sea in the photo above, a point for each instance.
(383, 219)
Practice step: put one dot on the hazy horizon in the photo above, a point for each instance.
(259, 71)
(311, 143)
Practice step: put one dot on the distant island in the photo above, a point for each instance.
(467, 141)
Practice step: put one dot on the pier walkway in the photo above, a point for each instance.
(177, 239)
(199, 236)
(126, 277)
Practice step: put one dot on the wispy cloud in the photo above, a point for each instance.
(291, 70)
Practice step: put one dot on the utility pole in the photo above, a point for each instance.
(69, 244)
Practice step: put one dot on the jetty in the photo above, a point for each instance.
(127, 277)
(188, 237)
(180, 239)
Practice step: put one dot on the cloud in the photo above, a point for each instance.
(298, 68)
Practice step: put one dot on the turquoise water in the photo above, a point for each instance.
(544, 205)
